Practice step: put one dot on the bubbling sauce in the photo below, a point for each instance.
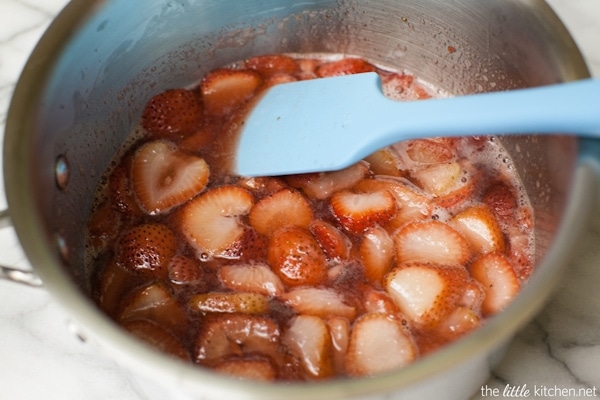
(311, 276)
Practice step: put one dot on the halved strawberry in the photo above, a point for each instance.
(224, 89)
(262, 185)
(286, 207)
(384, 162)
(271, 64)
(164, 177)
(321, 302)
(357, 212)
(146, 249)
(308, 339)
(296, 257)
(255, 278)
(379, 301)
(378, 344)
(451, 183)
(462, 320)
(173, 113)
(345, 66)
(426, 293)
(158, 337)
(479, 226)
(226, 335)
(230, 302)
(154, 302)
(322, 185)
(412, 202)
(499, 280)
(185, 270)
(120, 191)
(254, 368)
(500, 197)
(334, 243)
(114, 283)
(210, 222)
(339, 329)
(430, 151)
(431, 241)
(103, 227)
(376, 253)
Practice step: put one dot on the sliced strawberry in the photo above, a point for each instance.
(322, 185)
(451, 183)
(318, 301)
(210, 222)
(376, 253)
(380, 302)
(226, 335)
(339, 329)
(426, 293)
(378, 344)
(158, 337)
(397, 86)
(345, 66)
(499, 196)
(164, 177)
(286, 207)
(271, 64)
(357, 212)
(120, 193)
(254, 278)
(114, 283)
(185, 270)
(259, 369)
(499, 280)
(412, 202)
(308, 339)
(103, 227)
(384, 162)
(462, 320)
(431, 241)
(230, 302)
(479, 226)
(224, 89)
(296, 257)
(334, 243)
(155, 303)
(146, 249)
(430, 151)
(278, 79)
(173, 113)
(262, 185)
(201, 138)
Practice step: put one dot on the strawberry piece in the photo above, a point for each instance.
(114, 283)
(272, 64)
(296, 257)
(430, 151)
(479, 226)
(158, 337)
(321, 302)
(164, 177)
(210, 222)
(228, 302)
(384, 162)
(225, 335)
(225, 89)
(173, 114)
(339, 330)
(426, 293)
(378, 344)
(334, 243)
(345, 66)
(155, 303)
(411, 202)
(254, 278)
(252, 369)
(120, 193)
(377, 301)
(357, 212)
(103, 227)
(500, 197)
(262, 186)
(431, 241)
(322, 185)
(286, 207)
(500, 282)
(308, 339)
(185, 270)
(462, 320)
(376, 253)
(146, 249)
(451, 183)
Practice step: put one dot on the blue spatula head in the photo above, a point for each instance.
(309, 126)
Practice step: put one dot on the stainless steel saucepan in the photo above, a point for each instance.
(87, 81)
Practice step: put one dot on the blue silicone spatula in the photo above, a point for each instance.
(330, 123)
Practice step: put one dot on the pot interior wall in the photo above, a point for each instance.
(125, 54)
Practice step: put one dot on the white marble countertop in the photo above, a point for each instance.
(40, 358)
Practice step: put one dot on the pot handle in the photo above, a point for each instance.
(18, 275)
